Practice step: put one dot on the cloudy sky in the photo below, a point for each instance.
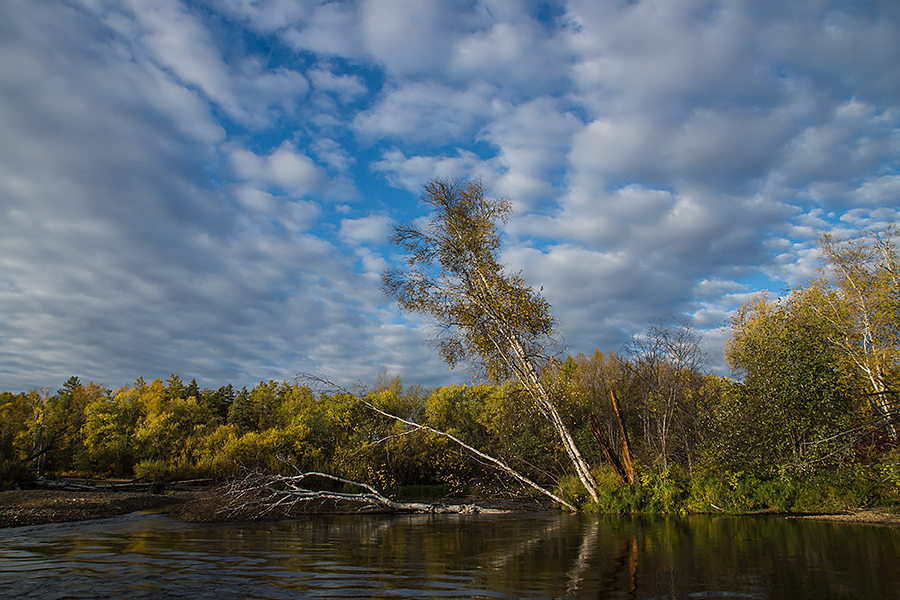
(205, 187)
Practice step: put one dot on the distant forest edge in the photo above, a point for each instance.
(810, 422)
(800, 432)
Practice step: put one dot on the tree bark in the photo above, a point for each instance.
(607, 448)
(626, 444)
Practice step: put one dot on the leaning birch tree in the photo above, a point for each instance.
(484, 316)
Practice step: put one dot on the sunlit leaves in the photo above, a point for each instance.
(483, 315)
(793, 390)
(865, 307)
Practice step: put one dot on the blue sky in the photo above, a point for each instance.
(206, 187)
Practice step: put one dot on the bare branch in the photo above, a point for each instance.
(320, 381)
(257, 495)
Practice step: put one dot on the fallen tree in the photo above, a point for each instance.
(496, 463)
(258, 495)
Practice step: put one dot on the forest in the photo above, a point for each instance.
(808, 421)
(799, 432)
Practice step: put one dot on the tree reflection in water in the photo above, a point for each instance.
(541, 556)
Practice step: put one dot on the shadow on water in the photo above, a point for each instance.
(546, 555)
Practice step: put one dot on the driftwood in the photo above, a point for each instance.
(87, 485)
(258, 495)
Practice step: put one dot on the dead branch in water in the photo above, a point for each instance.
(498, 464)
(259, 496)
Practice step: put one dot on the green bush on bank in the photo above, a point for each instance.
(826, 490)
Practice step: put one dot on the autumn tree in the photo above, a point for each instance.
(109, 427)
(665, 363)
(865, 310)
(485, 316)
(793, 392)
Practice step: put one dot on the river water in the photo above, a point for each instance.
(537, 555)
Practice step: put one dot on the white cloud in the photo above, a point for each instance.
(851, 139)
(284, 168)
(724, 149)
(347, 87)
(533, 141)
(329, 28)
(266, 16)
(180, 43)
(410, 36)
(181, 183)
(366, 230)
(515, 57)
(666, 57)
(431, 111)
(411, 173)
(883, 190)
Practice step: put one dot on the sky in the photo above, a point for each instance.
(206, 187)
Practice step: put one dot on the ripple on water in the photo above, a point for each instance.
(448, 557)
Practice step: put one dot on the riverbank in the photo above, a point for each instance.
(874, 516)
(37, 507)
(19, 508)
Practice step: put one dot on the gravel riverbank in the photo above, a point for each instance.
(35, 507)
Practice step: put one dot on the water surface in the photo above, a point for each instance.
(544, 555)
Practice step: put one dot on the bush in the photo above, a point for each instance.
(572, 490)
(663, 493)
(151, 470)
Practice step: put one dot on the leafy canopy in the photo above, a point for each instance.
(484, 316)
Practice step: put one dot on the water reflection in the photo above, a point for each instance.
(452, 556)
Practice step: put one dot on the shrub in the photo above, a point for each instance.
(151, 470)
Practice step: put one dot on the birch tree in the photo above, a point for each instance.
(484, 316)
(866, 310)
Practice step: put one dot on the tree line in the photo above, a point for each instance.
(779, 426)
(809, 420)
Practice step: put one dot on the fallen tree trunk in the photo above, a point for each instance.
(607, 448)
(88, 485)
(259, 495)
(490, 459)
(626, 444)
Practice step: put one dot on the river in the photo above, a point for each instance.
(536, 555)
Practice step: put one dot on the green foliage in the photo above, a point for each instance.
(151, 469)
(16, 410)
(663, 493)
(616, 497)
(569, 488)
(831, 489)
(794, 392)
